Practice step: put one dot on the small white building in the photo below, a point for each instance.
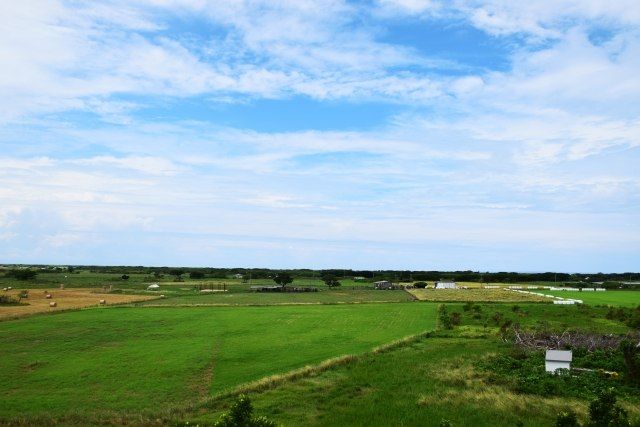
(153, 287)
(238, 276)
(383, 284)
(557, 359)
(446, 285)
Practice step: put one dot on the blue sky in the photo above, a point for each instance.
(412, 134)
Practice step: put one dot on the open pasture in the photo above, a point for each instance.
(277, 298)
(175, 356)
(615, 298)
(474, 295)
(65, 299)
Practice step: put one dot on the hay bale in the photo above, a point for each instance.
(48, 296)
(103, 302)
(53, 304)
(162, 296)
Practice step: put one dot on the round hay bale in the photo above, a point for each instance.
(53, 304)
(48, 296)
(103, 302)
(162, 296)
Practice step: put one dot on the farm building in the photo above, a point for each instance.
(446, 285)
(238, 276)
(383, 284)
(271, 288)
(557, 359)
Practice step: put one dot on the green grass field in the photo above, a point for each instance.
(418, 385)
(275, 298)
(617, 298)
(135, 359)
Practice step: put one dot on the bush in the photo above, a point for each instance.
(443, 317)
(420, 285)
(7, 300)
(196, 275)
(604, 412)
(456, 318)
(22, 274)
(567, 418)
(631, 356)
(241, 415)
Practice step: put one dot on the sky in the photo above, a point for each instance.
(487, 135)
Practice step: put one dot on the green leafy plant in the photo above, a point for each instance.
(241, 415)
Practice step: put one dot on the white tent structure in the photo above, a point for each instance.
(446, 285)
(153, 287)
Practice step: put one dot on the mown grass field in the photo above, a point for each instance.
(275, 298)
(121, 360)
(66, 299)
(475, 295)
(617, 297)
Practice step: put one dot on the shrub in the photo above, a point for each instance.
(567, 418)
(497, 317)
(7, 300)
(631, 356)
(604, 412)
(196, 275)
(241, 415)
(420, 285)
(456, 318)
(22, 274)
(443, 317)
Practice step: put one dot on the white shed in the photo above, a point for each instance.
(446, 285)
(558, 359)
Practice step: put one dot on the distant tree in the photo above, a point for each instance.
(196, 275)
(331, 281)
(22, 274)
(241, 415)
(283, 279)
(125, 277)
(420, 285)
(71, 269)
(177, 273)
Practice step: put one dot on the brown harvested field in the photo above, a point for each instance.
(475, 295)
(65, 299)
